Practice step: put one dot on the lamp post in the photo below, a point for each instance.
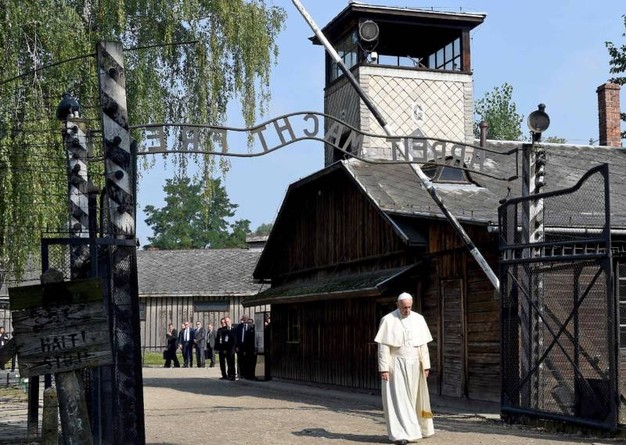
(533, 181)
(533, 174)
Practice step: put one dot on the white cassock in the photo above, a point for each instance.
(403, 352)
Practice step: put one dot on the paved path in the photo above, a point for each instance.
(13, 408)
(185, 406)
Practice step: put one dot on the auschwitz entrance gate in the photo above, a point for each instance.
(559, 325)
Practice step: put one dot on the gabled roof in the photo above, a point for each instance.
(200, 272)
(179, 273)
(397, 192)
(396, 189)
(408, 234)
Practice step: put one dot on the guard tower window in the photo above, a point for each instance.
(447, 58)
(348, 50)
(404, 47)
(407, 38)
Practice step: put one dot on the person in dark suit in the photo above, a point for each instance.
(210, 345)
(240, 334)
(199, 342)
(185, 344)
(219, 347)
(249, 351)
(172, 346)
(267, 346)
(4, 339)
(229, 348)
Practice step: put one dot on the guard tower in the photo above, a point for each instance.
(414, 64)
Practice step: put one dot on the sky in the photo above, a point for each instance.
(551, 52)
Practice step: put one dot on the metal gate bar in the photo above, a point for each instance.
(559, 338)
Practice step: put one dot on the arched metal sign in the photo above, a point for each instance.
(288, 129)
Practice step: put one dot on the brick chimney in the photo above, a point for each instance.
(609, 115)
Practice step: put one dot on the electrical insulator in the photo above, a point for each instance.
(540, 170)
(539, 182)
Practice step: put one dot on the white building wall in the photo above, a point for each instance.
(413, 102)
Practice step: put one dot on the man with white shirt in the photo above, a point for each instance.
(186, 344)
(403, 363)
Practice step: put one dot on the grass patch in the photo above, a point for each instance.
(153, 359)
(12, 393)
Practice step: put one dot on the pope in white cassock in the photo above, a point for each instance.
(403, 363)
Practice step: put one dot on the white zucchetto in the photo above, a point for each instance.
(404, 296)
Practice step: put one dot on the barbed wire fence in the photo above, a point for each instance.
(53, 164)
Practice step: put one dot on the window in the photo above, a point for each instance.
(446, 172)
(348, 50)
(293, 325)
(447, 58)
(142, 311)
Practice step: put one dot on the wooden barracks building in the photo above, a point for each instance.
(350, 237)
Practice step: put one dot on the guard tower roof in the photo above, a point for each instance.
(402, 24)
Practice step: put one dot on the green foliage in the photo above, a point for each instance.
(263, 229)
(184, 62)
(240, 230)
(499, 111)
(195, 217)
(618, 65)
(618, 59)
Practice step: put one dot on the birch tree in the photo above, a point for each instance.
(497, 108)
(185, 62)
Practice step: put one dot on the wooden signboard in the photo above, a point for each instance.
(60, 327)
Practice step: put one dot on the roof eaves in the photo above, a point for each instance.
(352, 286)
(197, 294)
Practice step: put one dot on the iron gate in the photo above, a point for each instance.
(559, 325)
(115, 392)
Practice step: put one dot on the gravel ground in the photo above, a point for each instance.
(184, 406)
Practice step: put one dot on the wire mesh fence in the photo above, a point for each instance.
(558, 305)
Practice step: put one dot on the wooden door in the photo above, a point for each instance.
(453, 335)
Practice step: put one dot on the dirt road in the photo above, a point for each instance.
(185, 406)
